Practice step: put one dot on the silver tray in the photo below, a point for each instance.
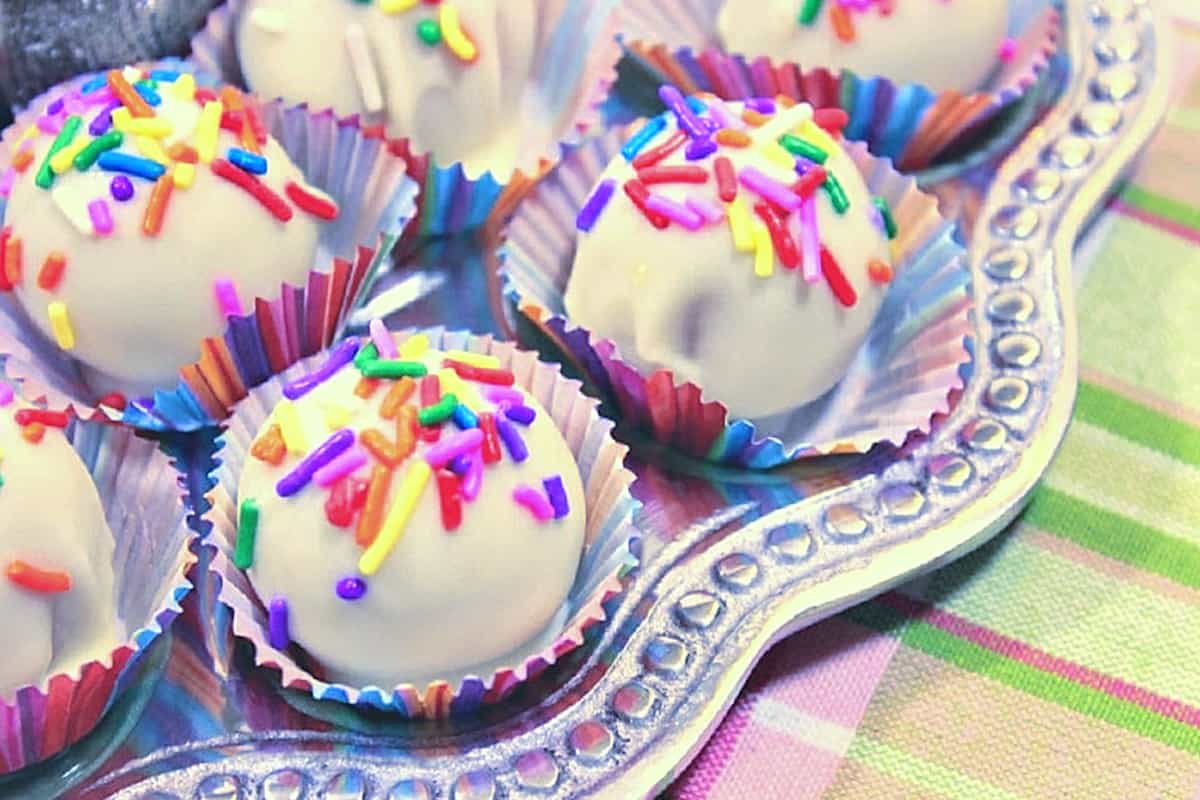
(733, 561)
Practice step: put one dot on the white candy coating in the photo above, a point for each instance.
(942, 44)
(690, 302)
(442, 603)
(372, 62)
(139, 306)
(51, 518)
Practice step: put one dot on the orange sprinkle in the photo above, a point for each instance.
(372, 513)
(51, 272)
(378, 445)
(880, 271)
(842, 24)
(270, 447)
(406, 430)
(731, 138)
(43, 581)
(23, 158)
(33, 432)
(128, 95)
(183, 152)
(396, 397)
(156, 207)
(784, 101)
(752, 117)
(366, 387)
(13, 261)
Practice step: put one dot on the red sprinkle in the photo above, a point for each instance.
(5, 235)
(494, 377)
(254, 187)
(450, 495)
(204, 95)
(681, 174)
(182, 152)
(348, 496)
(727, 185)
(366, 387)
(831, 120)
(638, 195)
(33, 433)
(231, 121)
(254, 121)
(841, 287)
(649, 158)
(51, 272)
(810, 181)
(42, 581)
(431, 391)
(55, 419)
(319, 207)
(880, 271)
(785, 245)
(491, 438)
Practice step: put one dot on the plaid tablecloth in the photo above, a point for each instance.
(1062, 660)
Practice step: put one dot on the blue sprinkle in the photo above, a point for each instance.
(696, 106)
(465, 418)
(653, 127)
(165, 75)
(148, 94)
(247, 161)
(95, 84)
(114, 161)
(522, 415)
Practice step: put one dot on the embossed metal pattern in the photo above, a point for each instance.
(716, 595)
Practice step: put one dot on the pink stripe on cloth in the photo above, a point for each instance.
(1154, 221)
(1039, 659)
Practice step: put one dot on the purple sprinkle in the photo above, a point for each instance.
(523, 415)
(6, 394)
(503, 394)
(688, 121)
(121, 188)
(55, 107)
(762, 105)
(803, 165)
(103, 119)
(460, 464)
(277, 624)
(595, 205)
(699, 148)
(473, 481)
(351, 588)
(513, 442)
(342, 355)
(303, 472)
(558, 496)
(100, 216)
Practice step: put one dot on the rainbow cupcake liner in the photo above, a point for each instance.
(576, 66)
(361, 171)
(675, 41)
(917, 353)
(612, 540)
(145, 509)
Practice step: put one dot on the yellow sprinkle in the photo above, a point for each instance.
(184, 175)
(121, 119)
(764, 251)
(185, 87)
(31, 133)
(739, 224)
(407, 497)
(414, 346)
(336, 416)
(816, 134)
(155, 127)
(63, 159)
(289, 426)
(396, 6)
(207, 130)
(453, 35)
(475, 359)
(61, 325)
(778, 156)
(152, 150)
(466, 392)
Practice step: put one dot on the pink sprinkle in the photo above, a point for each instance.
(50, 124)
(718, 111)
(533, 501)
(710, 211)
(769, 188)
(340, 467)
(472, 482)
(6, 394)
(100, 97)
(810, 241)
(462, 443)
(383, 340)
(503, 395)
(6, 181)
(73, 103)
(674, 211)
(1008, 50)
(101, 219)
(227, 298)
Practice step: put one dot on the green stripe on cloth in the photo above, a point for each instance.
(1137, 423)
(973, 658)
(1163, 207)
(1115, 536)
(920, 772)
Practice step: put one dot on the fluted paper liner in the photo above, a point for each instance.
(576, 65)
(908, 123)
(144, 508)
(611, 541)
(360, 170)
(916, 354)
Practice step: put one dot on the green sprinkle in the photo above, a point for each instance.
(365, 356)
(837, 195)
(803, 148)
(885, 213)
(439, 412)
(243, 556)
(393, 369)
(45, 176)
(1, 481)
(88, 155)
(429, 32)
(148, 83)
(808, 13)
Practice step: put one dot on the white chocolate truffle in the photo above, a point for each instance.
(461, 97)
(719, 305)
(941, 44)
(52, 528)
(439, 602)
(133, 306)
